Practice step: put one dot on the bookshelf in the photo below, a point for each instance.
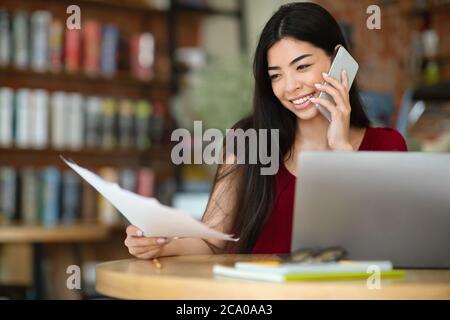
(156, 156)
(122, 84)
(35, 233)
(177, 26)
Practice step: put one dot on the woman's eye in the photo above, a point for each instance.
(274, 76)
(303, 66)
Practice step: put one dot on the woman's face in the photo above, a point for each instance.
(294, 67)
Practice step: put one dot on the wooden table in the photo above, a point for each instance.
(191, 277)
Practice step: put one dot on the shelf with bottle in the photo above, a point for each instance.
(421, 8)
(417, 7)
(439, 92)
(429, 119)
(443, 58)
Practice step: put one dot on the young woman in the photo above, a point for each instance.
(295, 50)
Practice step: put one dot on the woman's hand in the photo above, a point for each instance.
(144, 247)
(339, 130)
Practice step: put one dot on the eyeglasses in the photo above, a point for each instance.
(316, 255)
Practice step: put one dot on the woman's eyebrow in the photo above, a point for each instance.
(292, 62)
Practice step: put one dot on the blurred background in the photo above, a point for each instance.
(109, 94)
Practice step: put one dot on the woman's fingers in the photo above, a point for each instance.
(326, 104)
(135, 251)
(334, 82)
(344, 80)
(143, 247)
(134, 231)
(335, 89)
(131, 241)
(334, 94)
(145, 252)
(148, 255)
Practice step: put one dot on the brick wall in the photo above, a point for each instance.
(383, 54)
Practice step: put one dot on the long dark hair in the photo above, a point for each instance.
(255, 193)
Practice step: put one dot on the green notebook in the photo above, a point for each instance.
(277, 272)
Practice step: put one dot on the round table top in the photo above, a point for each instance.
(191, 277)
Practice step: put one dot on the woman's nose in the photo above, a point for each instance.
(292, 83)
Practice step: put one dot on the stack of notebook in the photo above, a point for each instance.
(275, 271)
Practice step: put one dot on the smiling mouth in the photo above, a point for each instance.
(303, 99)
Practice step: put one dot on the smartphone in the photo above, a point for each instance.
(342, 60)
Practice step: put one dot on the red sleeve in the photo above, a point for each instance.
(395, 140)
(383, 139)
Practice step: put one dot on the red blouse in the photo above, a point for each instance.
(276, 234)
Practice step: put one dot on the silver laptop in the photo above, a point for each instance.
(377, 205)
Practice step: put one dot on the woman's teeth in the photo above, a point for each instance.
(302, 100)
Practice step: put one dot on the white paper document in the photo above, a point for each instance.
(148, 214)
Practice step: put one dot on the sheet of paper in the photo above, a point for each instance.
(148, 214)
